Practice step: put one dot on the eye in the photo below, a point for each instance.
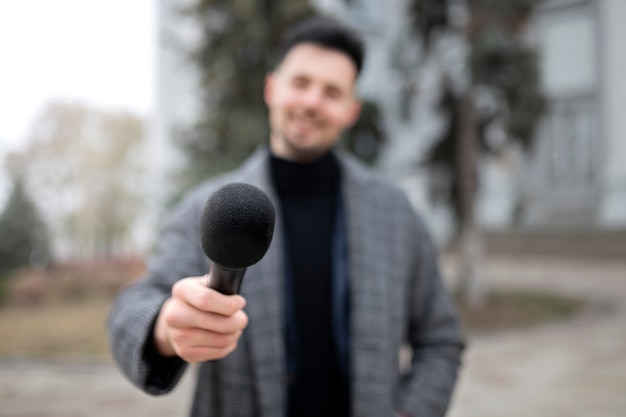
(300, 82)
(333, 93)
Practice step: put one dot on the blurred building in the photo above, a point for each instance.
(176, 105)
(577, 176)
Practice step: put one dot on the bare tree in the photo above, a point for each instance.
(83, 165)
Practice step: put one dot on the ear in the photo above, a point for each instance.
(268, 90)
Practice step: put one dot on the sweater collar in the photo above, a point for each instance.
(294, 178)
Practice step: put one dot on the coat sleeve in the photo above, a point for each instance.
(434, 335)
(133, 314)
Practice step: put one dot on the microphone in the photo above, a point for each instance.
(236, 229)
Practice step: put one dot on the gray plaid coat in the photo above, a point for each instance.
(397, 299)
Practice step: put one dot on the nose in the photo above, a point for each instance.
(312, 97)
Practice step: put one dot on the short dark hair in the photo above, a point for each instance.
(327, 33)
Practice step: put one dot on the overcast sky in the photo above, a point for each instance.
(100, 52)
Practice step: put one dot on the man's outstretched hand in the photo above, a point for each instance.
(199, 324)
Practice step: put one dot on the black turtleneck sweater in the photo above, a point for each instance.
(307, 195)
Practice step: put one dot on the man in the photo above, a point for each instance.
(350, 277)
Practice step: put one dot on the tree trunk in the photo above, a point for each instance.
(470, 246)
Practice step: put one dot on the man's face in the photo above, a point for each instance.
(311, 101)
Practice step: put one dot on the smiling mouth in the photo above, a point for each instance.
(306, 123)
(305, 126)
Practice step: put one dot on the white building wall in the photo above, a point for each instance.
(613, 36)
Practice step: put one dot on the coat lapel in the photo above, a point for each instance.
(369, 309)
(264, 290)
(264, 293)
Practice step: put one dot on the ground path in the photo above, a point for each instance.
(571, 369)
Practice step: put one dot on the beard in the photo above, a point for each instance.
(309, 118)
(301, 134)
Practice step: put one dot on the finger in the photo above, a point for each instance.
(225, 324)
(195, 292)
(203, 354)
(197, 338)
(195, 345)
(184, 316)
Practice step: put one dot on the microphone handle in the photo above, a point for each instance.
(225, 280)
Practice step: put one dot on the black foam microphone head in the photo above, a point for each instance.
(237, 225)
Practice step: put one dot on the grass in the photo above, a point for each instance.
(516, 310)
(70, 330)
(60, 312)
